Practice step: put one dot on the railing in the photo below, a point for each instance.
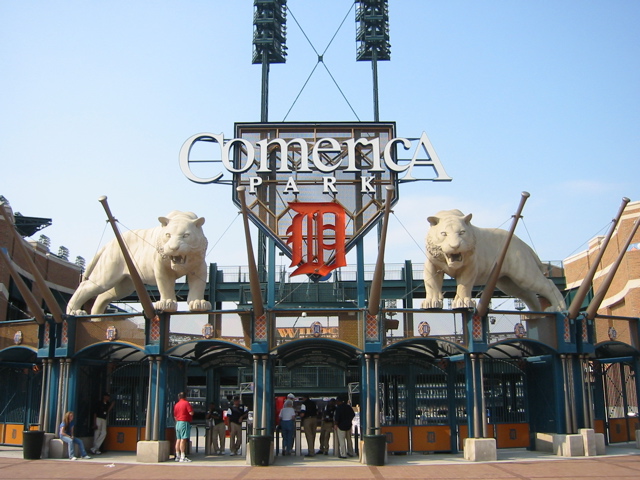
(197, 427)
(240, 274)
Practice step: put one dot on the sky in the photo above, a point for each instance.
(96, 98)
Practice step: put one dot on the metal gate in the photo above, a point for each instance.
(506, 403)
(92, 383)
(621, 401)
(423, 405)
(19, 402)
(128, 385)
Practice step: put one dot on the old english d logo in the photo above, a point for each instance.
(317, 237)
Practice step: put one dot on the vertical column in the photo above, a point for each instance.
(475, 391)
(483, 404)
(257, 399)
(148, 422)
(264, 420)
(368, 417)
(587, 397)
(156, 417)
(568, 416)
(636, 370)
(360, 285)
(60, 396)
(376, 383)
(44, 395)
(63, 386)
(408, 299)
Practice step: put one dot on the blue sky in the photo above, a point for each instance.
(96, 98)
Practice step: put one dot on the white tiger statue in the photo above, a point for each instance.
(468, 253)
(175, 248)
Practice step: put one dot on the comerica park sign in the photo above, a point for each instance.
(317, 187)
(313, 157)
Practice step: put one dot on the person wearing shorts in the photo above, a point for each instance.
(183, 413)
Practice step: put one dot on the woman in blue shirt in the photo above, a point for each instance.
(67, 436)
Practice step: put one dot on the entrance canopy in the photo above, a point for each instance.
(317, 351)
(615, 350)
(513, 349)
(212, 353)
(18, 355)
(112, 352)
(433, 348)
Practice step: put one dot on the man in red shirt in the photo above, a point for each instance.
(183, 413)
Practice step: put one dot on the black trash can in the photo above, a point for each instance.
(260, 450)
(375, 447)
(32, 442)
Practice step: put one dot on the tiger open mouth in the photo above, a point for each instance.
(453, 257)
(178, 260)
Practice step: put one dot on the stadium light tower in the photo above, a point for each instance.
(269, 46)
(269, 42)
(372, 36)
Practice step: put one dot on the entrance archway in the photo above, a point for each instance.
(520, 391)
(122, 370)
(423, 395)
(19, 405)
(615, 379)
(318, 366)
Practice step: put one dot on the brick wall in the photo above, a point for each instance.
(60, 275)
(623, 295)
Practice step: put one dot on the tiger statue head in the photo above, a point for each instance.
(451, 238)
(181, 240)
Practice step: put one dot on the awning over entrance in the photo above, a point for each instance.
(419, 351)
(615, 350)
(112, 352)
(213, 353)
(518, 349)
(433, 348)
(18, 355)
(320, 351)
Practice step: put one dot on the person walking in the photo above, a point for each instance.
(218, 428)
(309, 415)
(236, 414)
(183, 414)
(67, 435)
(287, 420)
(326, 427)
(342, 420)
(100, 415)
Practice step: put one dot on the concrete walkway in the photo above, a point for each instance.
(621, 462)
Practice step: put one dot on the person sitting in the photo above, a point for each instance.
(67, 436)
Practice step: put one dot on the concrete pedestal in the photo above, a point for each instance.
(544, 442)
(589, 441)
(601, 447)
(47, 444)
(480, 449)
(59, 449)
(152, 451)
(568, 445)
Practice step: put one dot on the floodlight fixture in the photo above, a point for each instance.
(63, 252)
(44, 241)
(372, 33)
(269, 31)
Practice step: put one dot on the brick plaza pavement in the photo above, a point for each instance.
(620, 463)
